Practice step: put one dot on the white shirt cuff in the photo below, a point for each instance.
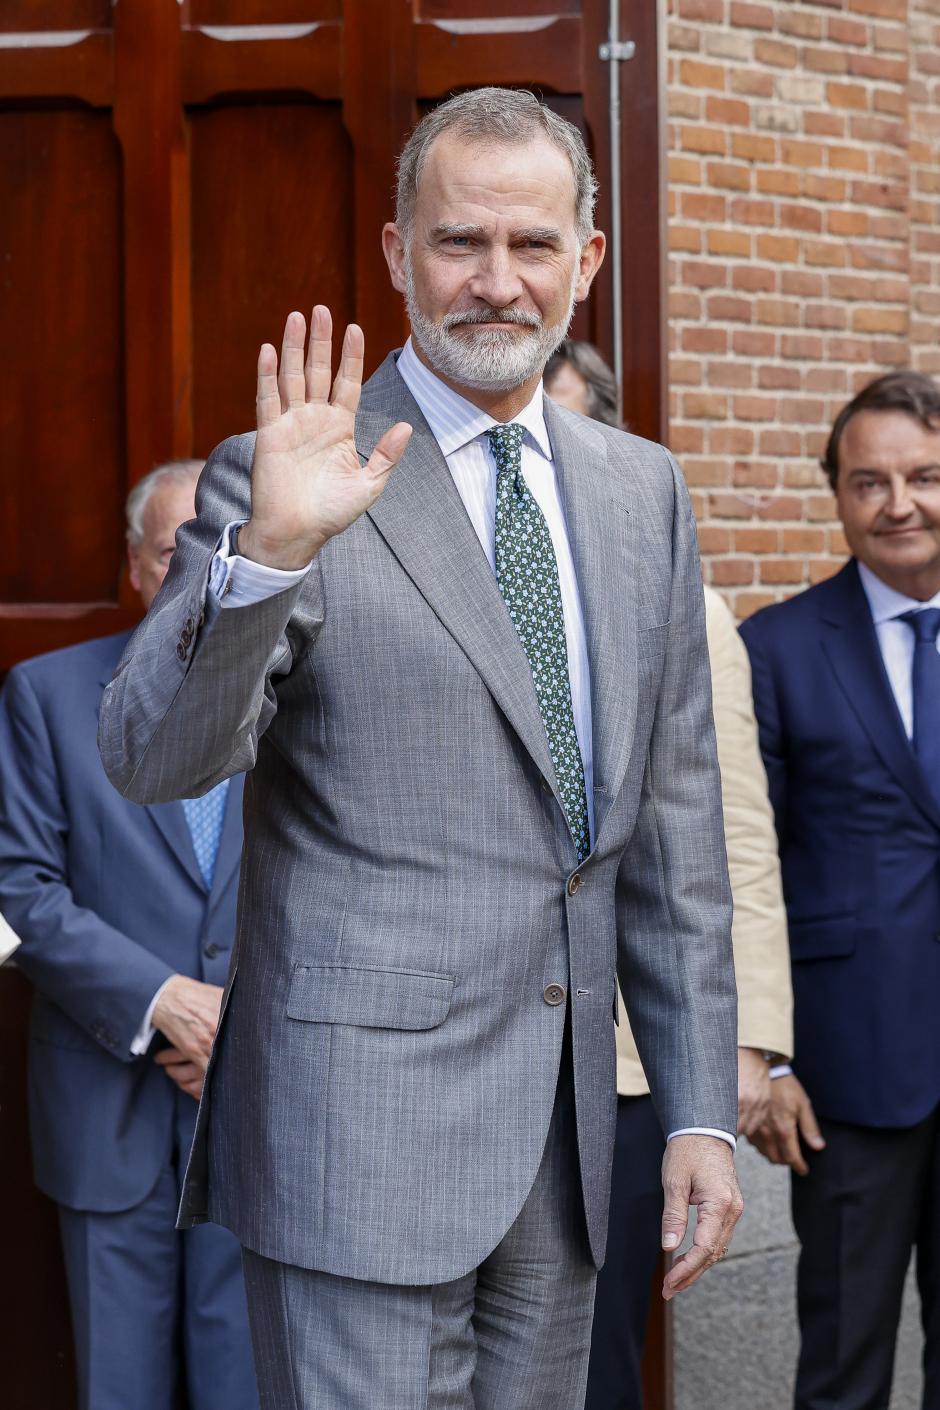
(704, 1131)
(238, 581)
(146, 1032)
(783, 1069)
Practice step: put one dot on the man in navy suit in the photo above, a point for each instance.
(126, 915)
(847, 694)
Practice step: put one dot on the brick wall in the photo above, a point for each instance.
(804, 235)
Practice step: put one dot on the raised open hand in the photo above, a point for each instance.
(307, 484)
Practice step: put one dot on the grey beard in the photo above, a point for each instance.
(492, 361)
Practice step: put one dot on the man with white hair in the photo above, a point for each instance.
(127, 916)
(473, 697)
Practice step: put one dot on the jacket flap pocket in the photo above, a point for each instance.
(823, 939)
(369, 998)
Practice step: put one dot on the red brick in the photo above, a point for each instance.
(799, 23)
(879, 320)
(825, 379)
(803, 540)
(781, 570)
(729, 242)
(803, 282)
(778, 247)
(704, 406)
(824, 188)
(713, 538)
(758, 539)
(755, 278)
(822, 568)
(754, 82)
(730, 506)
(785, 312)
(729, 374)
(781, 507)
(847, 223)
(729, 112)
(754, 408)
(883, 9)
(879, 193)
(702, 205)
(712, 11)
(845, 31)
(779, 442)
(705, 473)
(747, 603)
(694, 74)
(748, 146)
(732, 572)
(820, 507)
(825, 315)
(847, 158)
(777, 181)
(806, 347)
(776, 53)
(684, 304)
(685, 371)
(755, 475)
(807, 410)
(704, 274)
(847, 95)
(753, 342)
(795, 153)
(731, 440)
(827, 60)
(705, 340)
(795, 217)
(747, 15)
(730, 309)
(684, 170)
(779, 378)
(823, 125)
(870, 66)
(685, 238)
(704, 139)
(729, 175)
(685, 440)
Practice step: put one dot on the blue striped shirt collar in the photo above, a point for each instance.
(453, 420)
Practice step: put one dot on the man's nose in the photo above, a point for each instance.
(495, 281)
(900, 502)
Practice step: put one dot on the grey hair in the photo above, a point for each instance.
(179, 472)
(509, 117)
(598, 378)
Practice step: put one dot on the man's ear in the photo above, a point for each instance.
(393, 248)
(133, 565)
(592, 257)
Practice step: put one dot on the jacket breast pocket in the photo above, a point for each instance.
(651, 641)
(369, 998)
(825, 939)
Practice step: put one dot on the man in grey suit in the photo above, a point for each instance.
(472, 697)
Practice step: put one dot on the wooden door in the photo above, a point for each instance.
(175, 176)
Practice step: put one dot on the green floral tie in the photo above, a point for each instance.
(527, 574)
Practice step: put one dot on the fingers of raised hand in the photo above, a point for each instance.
(319, 369)
(268, 398)
(290, 379)
(348, 384)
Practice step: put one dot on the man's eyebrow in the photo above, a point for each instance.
(875, 470)
(550, 233)
(441, 232)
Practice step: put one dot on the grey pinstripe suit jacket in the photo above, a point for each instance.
(384, 1075)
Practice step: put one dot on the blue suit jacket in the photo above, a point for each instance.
(860, 849)
(108, 900)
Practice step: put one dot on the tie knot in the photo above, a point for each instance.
(506, 445)
(925, 624)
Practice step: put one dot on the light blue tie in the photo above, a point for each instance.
(205, 817)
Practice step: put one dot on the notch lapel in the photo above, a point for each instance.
(601, 533)
(850, 643)
(421, 517)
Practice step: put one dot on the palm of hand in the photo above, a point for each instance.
(308, 483)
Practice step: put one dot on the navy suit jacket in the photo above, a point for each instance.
(859, 841)
(108, 900)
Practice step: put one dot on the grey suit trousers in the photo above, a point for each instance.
(514, 1334)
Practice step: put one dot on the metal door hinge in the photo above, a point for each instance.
(619, 50)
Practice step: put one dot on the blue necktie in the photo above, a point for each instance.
(925, 691)
(205, 817)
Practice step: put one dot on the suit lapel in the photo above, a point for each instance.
(601, 534)
(850, 642)
(421, 517)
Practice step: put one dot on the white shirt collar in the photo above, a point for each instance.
(886, 602)
(453, 420)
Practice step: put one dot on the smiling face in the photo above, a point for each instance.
(492, 267)
(888, 493)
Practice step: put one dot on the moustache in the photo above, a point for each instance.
(491, 315)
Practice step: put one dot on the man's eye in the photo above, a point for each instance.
(461, 241)
(930, 480)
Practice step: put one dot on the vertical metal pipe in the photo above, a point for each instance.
(616, 238)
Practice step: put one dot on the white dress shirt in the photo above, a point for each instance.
(895, 638)
(460, 429)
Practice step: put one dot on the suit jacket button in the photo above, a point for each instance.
(574, 884)
(546, 786)
(554, 995)
(181, 651)
(211, 950)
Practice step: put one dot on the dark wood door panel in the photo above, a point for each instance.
(61, 413)
(268, 235)
(49, 16)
